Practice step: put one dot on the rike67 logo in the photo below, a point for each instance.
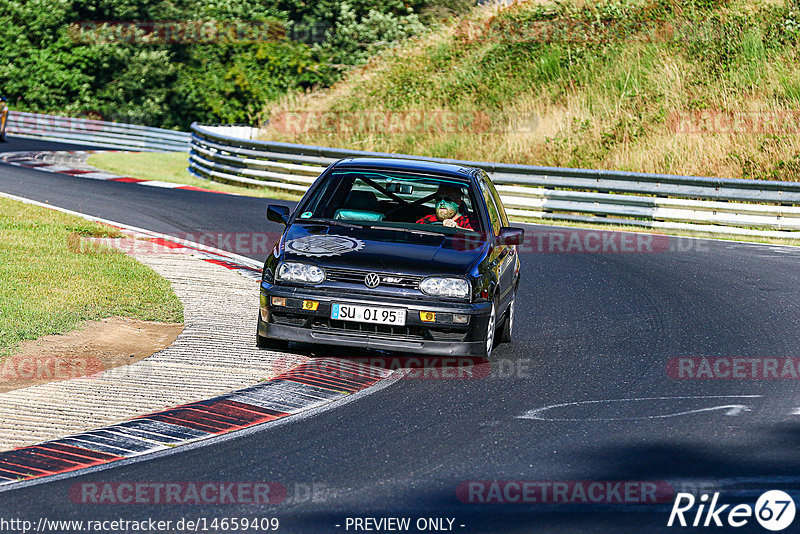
(774, 510)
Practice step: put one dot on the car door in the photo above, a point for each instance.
(511, 275)
(502, 257)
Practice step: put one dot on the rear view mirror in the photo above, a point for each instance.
(277, 213)
(399, 189)
(510, 236)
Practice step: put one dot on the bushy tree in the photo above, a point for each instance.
(49, 65)
(352, 40)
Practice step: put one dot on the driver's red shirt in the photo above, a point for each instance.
(463, 221)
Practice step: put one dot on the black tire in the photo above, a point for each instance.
(261, 342)
(489, 337)
(508, 323)
(267, 343)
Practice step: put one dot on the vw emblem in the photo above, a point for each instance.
(372, 280)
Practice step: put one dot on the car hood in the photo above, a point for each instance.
(382, 250)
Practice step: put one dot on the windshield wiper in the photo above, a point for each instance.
(334, 222)
(403, 229)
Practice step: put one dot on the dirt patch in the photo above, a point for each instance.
(95, 347)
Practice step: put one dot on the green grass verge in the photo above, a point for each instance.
(171, 167)
(49, 286)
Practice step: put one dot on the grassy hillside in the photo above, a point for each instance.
(702, 87)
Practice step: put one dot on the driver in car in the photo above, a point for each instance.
(448, 202)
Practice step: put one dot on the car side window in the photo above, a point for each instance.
(496, 196)
(494, 215)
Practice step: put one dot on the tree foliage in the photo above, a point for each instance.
(49, 65)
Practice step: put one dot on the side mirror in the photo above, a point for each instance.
(277, 213)
(510, 236)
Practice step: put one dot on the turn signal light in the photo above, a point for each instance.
(278, 301)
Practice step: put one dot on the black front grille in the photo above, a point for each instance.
(447, 335)
(402, 332)
(289, 319)
(353, 276)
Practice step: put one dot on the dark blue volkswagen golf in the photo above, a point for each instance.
(393, 254)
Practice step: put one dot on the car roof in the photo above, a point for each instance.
(409, 165)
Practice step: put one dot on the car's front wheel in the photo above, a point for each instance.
(491, 327)
(508, 323)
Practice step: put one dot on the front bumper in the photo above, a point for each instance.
(442, 338)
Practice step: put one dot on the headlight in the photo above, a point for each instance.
(445, 287)
(294, 271)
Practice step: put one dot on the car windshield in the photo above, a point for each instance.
(396, 201)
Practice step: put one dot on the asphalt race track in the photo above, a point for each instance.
(590, 327)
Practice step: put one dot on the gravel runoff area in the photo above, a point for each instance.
(214, 354)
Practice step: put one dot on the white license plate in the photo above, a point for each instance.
(368, 314)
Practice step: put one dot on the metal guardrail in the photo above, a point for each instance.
(717, 205)
(98, 133)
